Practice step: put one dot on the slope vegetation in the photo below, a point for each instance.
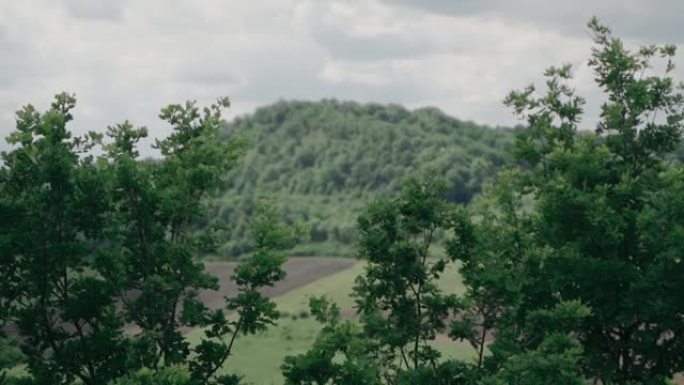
(323, 161)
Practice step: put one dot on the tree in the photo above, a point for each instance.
(153, 246)
(400, 305)
(339, 355)
(493, 273)
(254, 311)
(95, 245)
(165, 376)
(544, 351)
(605, 223)
(358, 152)
(57, 202)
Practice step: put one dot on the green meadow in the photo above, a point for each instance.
(258, 357)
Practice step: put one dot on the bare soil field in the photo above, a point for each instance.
(300, 271)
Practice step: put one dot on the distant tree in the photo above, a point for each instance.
(326, 160)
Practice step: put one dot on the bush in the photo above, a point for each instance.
(165, 376)
(10, 354)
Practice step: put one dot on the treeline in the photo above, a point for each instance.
(324, 161)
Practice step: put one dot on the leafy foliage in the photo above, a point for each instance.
(398, 301)
(165, 376)
(10, 356)
(340, 354)
(57, 201)
(254, 311)
(96, 246)
(325, 161)
(603, 229)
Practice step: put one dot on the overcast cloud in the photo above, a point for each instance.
(125, 59)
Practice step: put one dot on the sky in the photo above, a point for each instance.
(126, 59)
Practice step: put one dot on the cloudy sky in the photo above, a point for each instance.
(125, 59)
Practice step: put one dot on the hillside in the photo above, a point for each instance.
(323, 161)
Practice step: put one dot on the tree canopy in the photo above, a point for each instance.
(324, 161)
(100, 254)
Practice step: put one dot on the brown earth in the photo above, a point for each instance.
(300, 271)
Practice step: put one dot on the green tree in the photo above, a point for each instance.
(254, 312)
(400, 306)
(154, 244)
(324, 161)
(165, 376)
(493, 273)
(398, 300)
(93, 246)
(340, 354)
(57, 201)
(605, 223)
(545, 351)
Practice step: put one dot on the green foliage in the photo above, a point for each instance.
(97, 245)
(546, 351)
(155, 206)
(492, 273)
(401, 308)
(58, 203)
(325, 161)
(604, 229)
(338, 356)
(10, 356)
(255, 312)
(445, 373)
(165, 376)
(400, 304)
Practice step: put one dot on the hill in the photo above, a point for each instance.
(323, 161)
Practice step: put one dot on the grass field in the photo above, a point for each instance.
(258, 358)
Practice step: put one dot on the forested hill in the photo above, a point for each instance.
(323, 161)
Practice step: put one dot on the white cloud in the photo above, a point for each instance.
(355, 73)
(125, 59)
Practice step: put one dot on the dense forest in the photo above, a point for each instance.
(568, 270)
(325, 161)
